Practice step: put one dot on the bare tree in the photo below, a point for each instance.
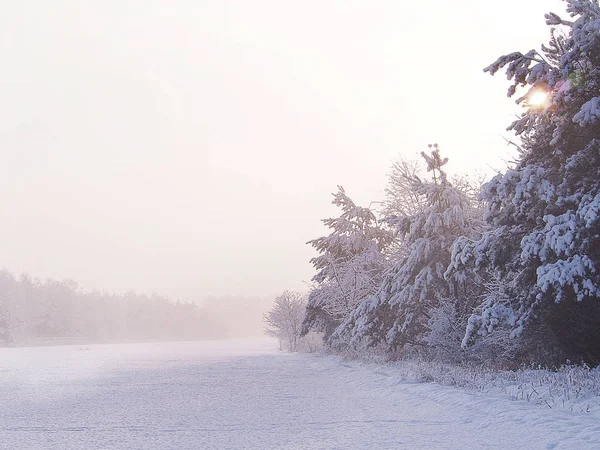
(285, 319)
(401, 199)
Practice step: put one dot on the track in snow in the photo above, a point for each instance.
(247, 395)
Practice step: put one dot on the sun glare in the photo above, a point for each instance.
(538, 99)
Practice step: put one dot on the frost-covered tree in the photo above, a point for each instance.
(348, 267)
(398, 313)
(32, 310)
(284, 320)
(9, 307)
(400, 197)
(544, 214)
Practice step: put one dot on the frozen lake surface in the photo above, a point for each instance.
(247, 395)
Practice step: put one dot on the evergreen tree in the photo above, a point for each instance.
(348, 267)
(543, 245)
(398, 313)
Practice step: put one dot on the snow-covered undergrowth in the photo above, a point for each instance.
(572, 387)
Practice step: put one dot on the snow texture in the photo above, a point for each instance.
(246, 395)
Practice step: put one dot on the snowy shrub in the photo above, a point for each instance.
(311, 342)
(570, 387)
(446, 328)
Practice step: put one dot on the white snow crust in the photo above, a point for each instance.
(248, 395)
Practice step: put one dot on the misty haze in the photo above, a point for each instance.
(335, 224)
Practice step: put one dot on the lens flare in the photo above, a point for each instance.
(538, 99)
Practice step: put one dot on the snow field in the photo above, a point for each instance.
(247, 395)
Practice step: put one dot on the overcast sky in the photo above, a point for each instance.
(190, 147)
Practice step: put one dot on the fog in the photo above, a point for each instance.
(189, 148)
(237, 316)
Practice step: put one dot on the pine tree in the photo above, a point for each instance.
(398, 313)
(348, 267)
(543, 245)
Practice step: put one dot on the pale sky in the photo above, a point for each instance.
(190, 147)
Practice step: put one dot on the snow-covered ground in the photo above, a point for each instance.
(247, 395)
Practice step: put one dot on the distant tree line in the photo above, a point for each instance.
(32, 310)
(507, 272)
